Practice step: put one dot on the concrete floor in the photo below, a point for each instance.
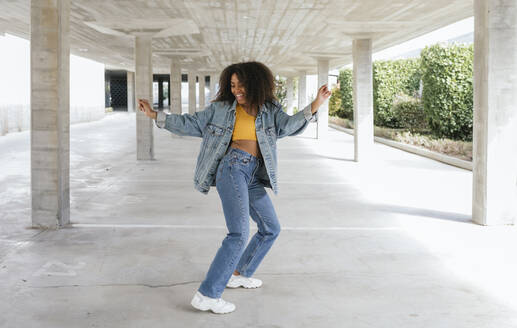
(384, 244)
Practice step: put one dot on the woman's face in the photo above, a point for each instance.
(238, 90)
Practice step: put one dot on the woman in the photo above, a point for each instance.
(238, 157)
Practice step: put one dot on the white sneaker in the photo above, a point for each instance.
(238, 281)
(216, 305)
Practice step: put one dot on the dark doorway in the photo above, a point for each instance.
(161, 90)
(116, 89)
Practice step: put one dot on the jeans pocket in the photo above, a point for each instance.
(223, 163)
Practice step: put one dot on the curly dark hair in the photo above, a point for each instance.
(257, 79)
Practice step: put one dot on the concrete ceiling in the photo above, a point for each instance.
(210, 34)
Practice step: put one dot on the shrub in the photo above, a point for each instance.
(392, 78)
(448, 91)
(409, 113)
(345, 79)
(335, 102)
(456, 148)
(344, 122)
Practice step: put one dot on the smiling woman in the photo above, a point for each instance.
(238, 156)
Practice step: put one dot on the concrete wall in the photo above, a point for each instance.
(14, 118)
(86, 87)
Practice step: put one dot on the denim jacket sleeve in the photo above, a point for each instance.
(291, 125)
(186, 124)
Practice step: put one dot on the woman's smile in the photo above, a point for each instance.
(241, 97)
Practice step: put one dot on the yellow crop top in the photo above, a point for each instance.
(244, 128)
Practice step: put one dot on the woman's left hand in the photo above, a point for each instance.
(323, 94)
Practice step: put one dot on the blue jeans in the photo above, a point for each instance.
(241, 195)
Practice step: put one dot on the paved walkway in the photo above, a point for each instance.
(384, 244)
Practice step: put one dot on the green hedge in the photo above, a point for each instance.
(448, 90)
(447, 98)
(345, 79)
(281, 91)
(391, 79)
(335, 102)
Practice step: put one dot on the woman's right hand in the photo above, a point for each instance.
(145, 107)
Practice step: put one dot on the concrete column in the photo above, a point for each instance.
(290, 95)
(302, 90)
(323, 111)
(363, 98)
(144, 89)
(175, 87)
(50, 113)
(130, 91)
(495, 113)
(191, 76)
(201, 91)
(214, 81)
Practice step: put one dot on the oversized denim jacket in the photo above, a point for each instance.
(215, 125)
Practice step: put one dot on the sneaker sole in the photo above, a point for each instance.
(200, 308)
(222, 312)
